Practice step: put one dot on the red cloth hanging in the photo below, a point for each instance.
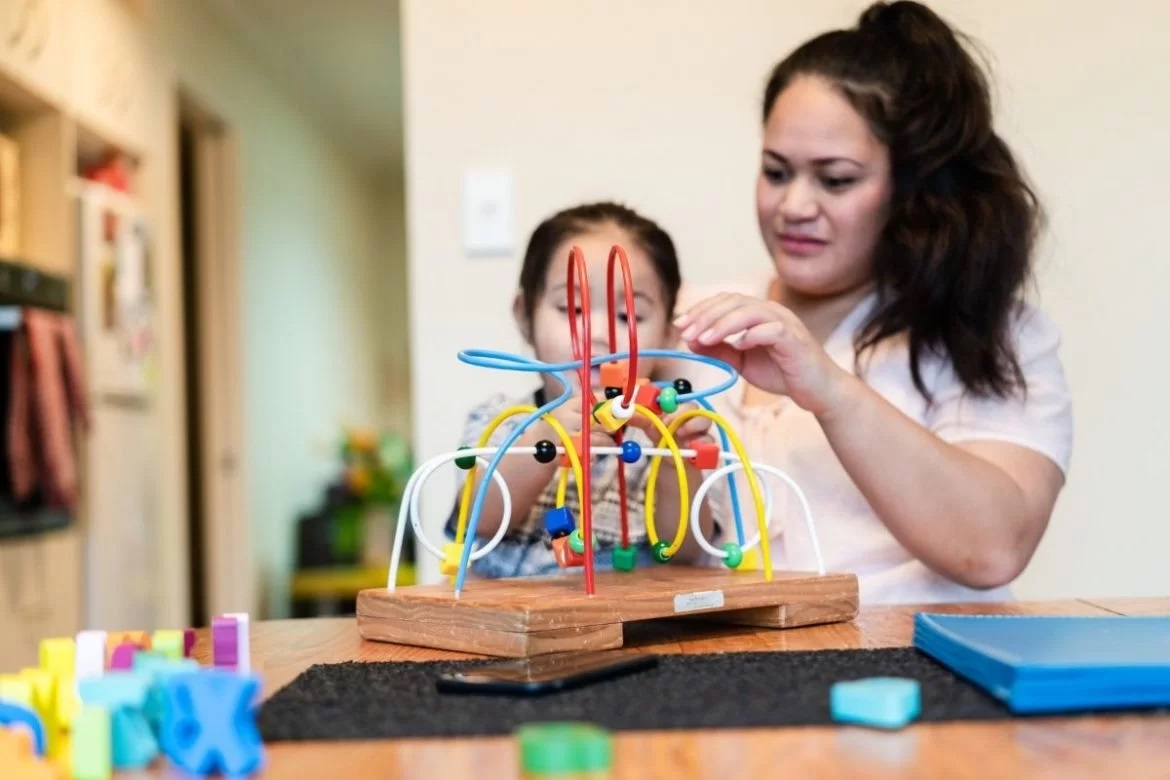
(47, 404)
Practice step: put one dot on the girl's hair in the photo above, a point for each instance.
(550, 233)
(963, 220)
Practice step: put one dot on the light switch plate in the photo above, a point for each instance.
(488, 213)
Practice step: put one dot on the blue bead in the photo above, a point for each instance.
(631, 451)
(882, 702)
(558, 522)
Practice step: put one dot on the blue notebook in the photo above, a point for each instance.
(1048, 664)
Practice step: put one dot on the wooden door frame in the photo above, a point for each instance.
(228, 564)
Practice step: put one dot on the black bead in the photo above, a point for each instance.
(545, 451)
(683, 386)
(613, 392)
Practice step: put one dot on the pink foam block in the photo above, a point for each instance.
(224, 642)
(188, 641)
(123, 657)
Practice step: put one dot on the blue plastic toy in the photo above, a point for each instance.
(882, 702)
(209, 724)
(16, 715)
(124, 694)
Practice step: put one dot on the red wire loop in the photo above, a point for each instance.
(619, 254)
(582, 351)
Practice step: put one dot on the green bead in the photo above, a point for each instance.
(564, 748)
(660, 553)
(668, 400)
(734, 555)
(467, 462)
(577, 543)
(624, 558)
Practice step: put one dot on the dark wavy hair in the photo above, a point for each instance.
(963, 219)
(549, 234)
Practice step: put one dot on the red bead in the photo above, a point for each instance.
(706, 455)
(647, 396)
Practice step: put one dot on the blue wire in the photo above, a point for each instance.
(509, 362)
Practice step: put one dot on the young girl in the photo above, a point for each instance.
(541, 312)
(889, 363)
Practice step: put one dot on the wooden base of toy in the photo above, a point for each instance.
(531, 616)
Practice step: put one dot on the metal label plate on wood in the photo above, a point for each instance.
(706, 599)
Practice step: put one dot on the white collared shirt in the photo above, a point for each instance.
(851, 536)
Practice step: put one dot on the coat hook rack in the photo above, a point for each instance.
(21, 285)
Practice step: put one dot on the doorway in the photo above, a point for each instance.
(218, 528)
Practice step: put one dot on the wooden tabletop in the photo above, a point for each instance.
(1128, 746)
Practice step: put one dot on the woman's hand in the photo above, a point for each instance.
(773, 349)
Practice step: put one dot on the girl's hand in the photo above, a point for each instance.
(774, 350)
(568, 415)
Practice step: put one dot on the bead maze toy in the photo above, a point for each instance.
(586, 610)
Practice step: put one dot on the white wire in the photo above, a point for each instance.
(738, 465)
(408, 509)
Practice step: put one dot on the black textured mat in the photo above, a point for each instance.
(725, 690)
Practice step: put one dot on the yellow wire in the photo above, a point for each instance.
(465, 499)
(683, 494)
(753, 483)
(561, 486)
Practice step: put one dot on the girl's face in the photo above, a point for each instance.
(823, 191)
(548, 331)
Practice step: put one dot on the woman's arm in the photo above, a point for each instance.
(972, 512)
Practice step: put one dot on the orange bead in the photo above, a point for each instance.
(615, 373)
(575, 438)
(564, 554)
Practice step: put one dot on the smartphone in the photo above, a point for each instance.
(546, 673)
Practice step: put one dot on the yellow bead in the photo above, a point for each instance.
(452, 553)
(57, 656)
(751, 560)
(612, 416)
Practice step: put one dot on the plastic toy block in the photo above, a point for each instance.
(575, 438)
(706, 455)
(17, 759)
(615, 373)
(20, 715)
(558, 521)
(625, 558)
(90, 654)
(44, 697)
(140, 638)
(15, 689)
(67, 702)
(209, 724)
(123, 657)
(188, 641)
(452, 554)
(158, 668)
(243, 641)
(92, 745)
(57, 656)
(124, 695)
(223, 641)
(561, 749)
(169, 643)
(564, 554)
(647, 395)
(882, 702)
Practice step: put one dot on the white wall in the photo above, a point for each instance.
(659, 107)
(311, 241)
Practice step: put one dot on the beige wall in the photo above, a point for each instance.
(659, 107)
(312, 262)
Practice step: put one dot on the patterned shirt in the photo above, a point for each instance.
(526, 548)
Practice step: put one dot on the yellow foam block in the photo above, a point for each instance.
(14, 689)
(44, 695)
(67, 702)
(57, 656)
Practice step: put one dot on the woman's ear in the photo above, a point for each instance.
(522, 320)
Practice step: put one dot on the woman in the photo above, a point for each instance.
(889, 364)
